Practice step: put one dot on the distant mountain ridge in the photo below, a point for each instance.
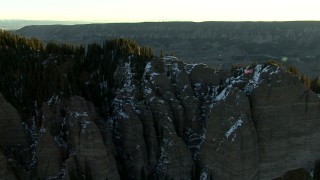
(214, 43)
(14, 24)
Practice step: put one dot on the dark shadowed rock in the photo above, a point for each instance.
(287, 118)
(175, 161)
(86, 142)
(70, 144)
(13, 142)
(230, 150)
(296, 174)
(145, 132)
(5, 172)
(49, 155)
(150, 136)
(12, 132)
(131, 144)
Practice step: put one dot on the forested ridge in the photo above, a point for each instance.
(32, 72)
(115, 111)
(213, 43)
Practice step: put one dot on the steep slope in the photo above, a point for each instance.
(15, 151)
(12, 132)
(287, 120)
(228, 135)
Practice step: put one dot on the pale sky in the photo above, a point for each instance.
(164, 10)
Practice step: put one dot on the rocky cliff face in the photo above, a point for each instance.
(181, 121)
(70, 144)
(286, 123)
(67, 143)
(12, 132)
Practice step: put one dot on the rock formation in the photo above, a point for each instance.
(5, 172)
(12, 131)
(181, 121)
(286, 118)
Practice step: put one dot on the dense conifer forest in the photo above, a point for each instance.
(31, 72)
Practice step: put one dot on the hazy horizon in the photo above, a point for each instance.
(115, 22)
(100, 11)
(15, 24)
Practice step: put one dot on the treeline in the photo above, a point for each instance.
(100, 63)
(32, 72)
(310, 83)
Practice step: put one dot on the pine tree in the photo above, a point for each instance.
(315, 85)
(306, 81)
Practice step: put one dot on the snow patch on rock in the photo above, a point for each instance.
(223, 95)
(53, 99)
(255, 81)
(80, 114)
(204, 175)
(84, 125)
(169, 58)
(234, 127)
(189, 67)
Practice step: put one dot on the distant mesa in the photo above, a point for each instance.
(213, 43)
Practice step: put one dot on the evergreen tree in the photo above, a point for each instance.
(315, 85)
(306, 81)
(31, 72)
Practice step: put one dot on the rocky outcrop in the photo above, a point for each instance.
(296, 174)
(181, 121)
(67, 145)
(230, 150)
(217, 118)
(70, 143)
(13, 142)
(49, 155)
(12, 131)
(152, 119)
(5, 172)
(286, 117)
(87, 144)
